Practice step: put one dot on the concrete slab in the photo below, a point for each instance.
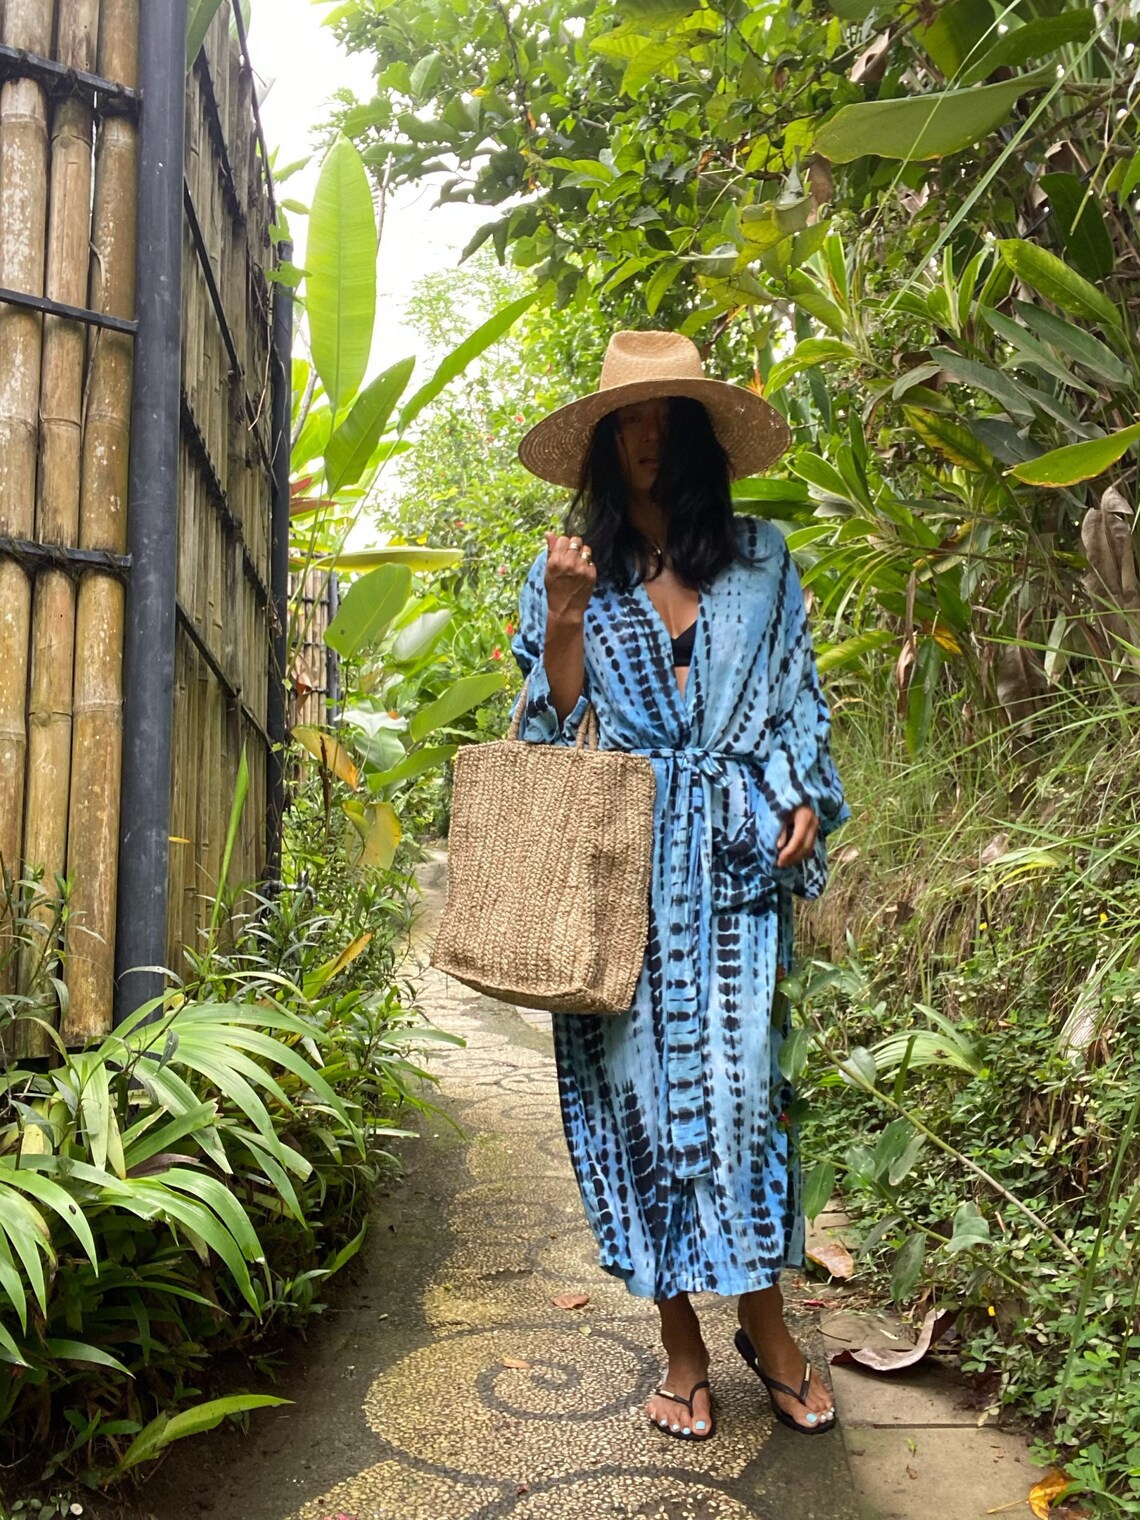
(907, 1473)
(929, 1395)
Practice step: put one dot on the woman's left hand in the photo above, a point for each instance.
(797, 837)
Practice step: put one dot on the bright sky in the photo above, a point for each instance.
(291, 48)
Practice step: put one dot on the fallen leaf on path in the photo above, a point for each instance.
(833, 1256)
(819, 1303)
(1042, 1494)
(892, 1358)
(516, 1364)
(912, 1472)
(571, 1300)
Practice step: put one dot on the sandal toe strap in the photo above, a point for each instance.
(679, 1398)
(801, 1397)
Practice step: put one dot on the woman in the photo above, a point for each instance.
(684, 626)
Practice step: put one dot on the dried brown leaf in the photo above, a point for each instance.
(832, 1255)
(571, 1300)
(882, 1358)
(1042, 1494)
(516, 1364)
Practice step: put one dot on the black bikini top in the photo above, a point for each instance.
(683, 646)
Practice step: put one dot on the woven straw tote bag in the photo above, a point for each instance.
(549, 857)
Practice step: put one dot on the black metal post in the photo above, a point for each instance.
(152, 523)
(279, 564)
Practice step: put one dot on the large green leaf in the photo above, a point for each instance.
(414, 556)
(340, 286)
(1076, 343)
(1013, 397)
(922, 126)
(1052, 278)
(413, 641)
(412, 765)
(908, 1267)
(56, 1198)
(1078, 461)
(459, 698)
(656, 13)
(920, 695)
(807, 355)
(1079, 223)
(956, 32)
(198, 19)
(818, 1187)
(369, 606)
(457, 361)
(352, 445)
(1036, 39)
(237, 809)
(1031, 353)
(836, 657)
(80, 1351)
(948, 439)
(156, 1436)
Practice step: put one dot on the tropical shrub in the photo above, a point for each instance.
(192, 1181)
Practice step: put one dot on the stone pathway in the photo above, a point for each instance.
(449, 1387)
(444, 1383)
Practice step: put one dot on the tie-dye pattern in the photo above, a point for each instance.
(673, 1111)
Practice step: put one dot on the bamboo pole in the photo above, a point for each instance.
(23, 174)
(57, 498)
(96, 761)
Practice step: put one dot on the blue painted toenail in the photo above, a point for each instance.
(700, 1424)
(812, 1419)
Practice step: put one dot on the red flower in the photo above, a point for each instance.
(510, 629)
(496, 653)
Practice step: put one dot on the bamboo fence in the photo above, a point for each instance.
(313, 693)
(68, 171)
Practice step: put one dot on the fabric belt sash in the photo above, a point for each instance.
(726, 821)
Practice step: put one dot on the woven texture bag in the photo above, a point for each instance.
(549, 858)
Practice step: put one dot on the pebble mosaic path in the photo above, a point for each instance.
(448, 1386)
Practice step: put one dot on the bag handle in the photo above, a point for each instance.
(585, 738)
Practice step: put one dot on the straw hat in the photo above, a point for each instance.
(641, 365)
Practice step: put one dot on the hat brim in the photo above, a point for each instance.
(751, 430)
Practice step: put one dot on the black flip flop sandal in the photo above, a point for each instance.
(748, 1352)
(679, 1398)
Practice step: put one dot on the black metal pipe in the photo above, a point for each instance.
(276, 721)
(105, 96)
(71, 561)
(61, 309)
(152, 518)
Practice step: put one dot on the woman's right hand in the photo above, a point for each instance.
(570, 578)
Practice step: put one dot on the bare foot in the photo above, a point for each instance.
(761, 1316)
(688, 1365)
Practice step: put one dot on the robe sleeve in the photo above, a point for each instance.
(539, 723)
(799, 767)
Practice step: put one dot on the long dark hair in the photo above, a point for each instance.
(692, 485)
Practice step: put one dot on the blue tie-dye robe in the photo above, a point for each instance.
(674, 1111)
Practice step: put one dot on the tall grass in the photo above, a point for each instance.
(986, 895)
